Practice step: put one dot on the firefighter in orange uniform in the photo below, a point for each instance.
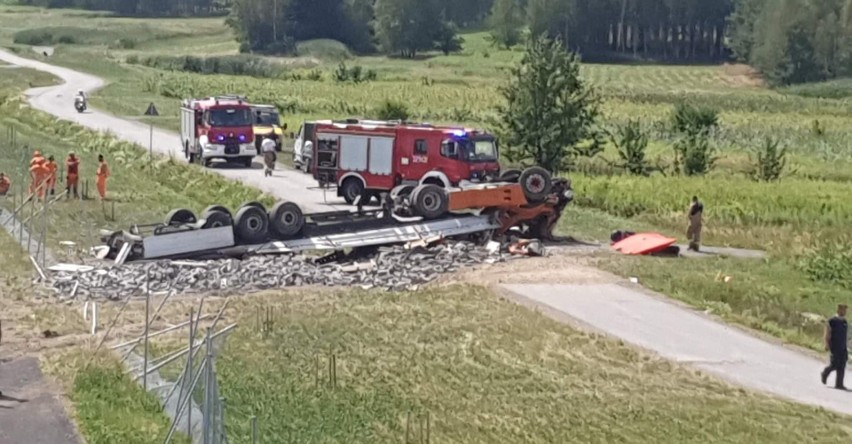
(103, 175)
(5, 184)
(72, 166)
(37, 157)
(39, 174)
(52, 167)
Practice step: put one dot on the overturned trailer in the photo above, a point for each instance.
(529, 201)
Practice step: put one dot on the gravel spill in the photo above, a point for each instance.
(391, 268)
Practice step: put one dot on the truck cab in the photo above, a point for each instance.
(267, 123)
(218, 128)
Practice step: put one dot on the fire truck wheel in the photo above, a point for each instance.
(536, 183)
(351, 189)
(401, 191)
(216, 219)
(430, 201)
(512, 176)
(251, 225)
(286, 219)
(248, 161)
(255, 204)
(218, 208)
(180, 216)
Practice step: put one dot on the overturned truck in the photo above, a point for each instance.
(529, 202)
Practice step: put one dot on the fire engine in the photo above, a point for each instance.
(217, 128)
(376, 156)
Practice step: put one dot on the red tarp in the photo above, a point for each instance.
(644, 243)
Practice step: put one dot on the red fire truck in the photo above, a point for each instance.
(378, 155)
(217, 128)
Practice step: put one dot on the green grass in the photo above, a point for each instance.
(482, 369)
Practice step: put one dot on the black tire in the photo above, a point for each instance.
(251, 226)
(511, 175)
(286, 219)
(216, 219)
(253, 203)
(248, 161)
(536, 183)
(351, 189)
(430, 201)
(401, 191)
(218, 208)
(180, 216)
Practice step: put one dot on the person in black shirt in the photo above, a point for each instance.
(696, 214)
(835, 342)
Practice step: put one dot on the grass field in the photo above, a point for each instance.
(408, 355)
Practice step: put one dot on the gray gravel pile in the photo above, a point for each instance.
(392, 268)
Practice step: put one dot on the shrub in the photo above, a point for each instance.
(770, 162)
(244, 65)
(390, 110)
(691, 119)
(829, 264)
(355, 74)
(631, 142)
(694, 154)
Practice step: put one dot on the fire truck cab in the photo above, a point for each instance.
(217, 128)
(376, 156)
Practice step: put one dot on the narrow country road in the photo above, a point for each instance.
(58, 100)
(637, 317)
(690, 338)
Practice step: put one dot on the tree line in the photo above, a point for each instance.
(794, 41)
(148, 8)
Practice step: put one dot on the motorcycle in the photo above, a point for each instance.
(79, 104)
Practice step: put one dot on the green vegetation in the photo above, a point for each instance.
(481, 369)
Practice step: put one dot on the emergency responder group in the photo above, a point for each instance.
(43, 176)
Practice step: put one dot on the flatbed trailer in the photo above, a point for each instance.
(408, 214)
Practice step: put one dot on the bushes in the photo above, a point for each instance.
(47, 36)
(770, 162)
(693, 151)
(631, 143)
(391, 110)
(238, 65)
(829, 264)
(355, 74)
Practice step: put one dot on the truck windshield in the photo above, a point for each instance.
(229, 117)
(266, 118)
(479, 150)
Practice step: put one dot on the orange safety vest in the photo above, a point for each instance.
(51, 169)
(103, 170)
(73, 166)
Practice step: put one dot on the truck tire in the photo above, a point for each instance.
(255, 204)
(536, 183)
(218, 208)
(216, 219)
(251, 225)
(248, 161)
(180, 216)
(430, 201)
(511, 176)
(286, 219)
(401, 191)
(351, 188)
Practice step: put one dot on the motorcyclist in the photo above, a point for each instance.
(81, 96)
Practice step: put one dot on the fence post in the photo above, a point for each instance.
(254, 435)
(147, 309)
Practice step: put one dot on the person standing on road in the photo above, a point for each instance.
(269, 157)
(103, 175)
(835, 342)
(52, 167)
(696, 216)
(72, 166)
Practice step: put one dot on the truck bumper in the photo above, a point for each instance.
(218, 151)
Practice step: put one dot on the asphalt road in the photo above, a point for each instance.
(286, 184)
(691, 338)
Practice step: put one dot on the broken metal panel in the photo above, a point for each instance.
(184, 242)
(384, 236)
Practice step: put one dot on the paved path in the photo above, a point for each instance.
(58, 100)
(30, 412)
(691, 338)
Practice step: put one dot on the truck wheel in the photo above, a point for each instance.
(180, 216)
(536, 183)
(251, 225)
(430, 201)
(286, 219)
(247, 161)
(511, 176)
(255, 204)
(351, 189)
(216, 219)
(217, 208)
(401, 191)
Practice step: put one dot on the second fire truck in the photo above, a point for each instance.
(377, 156)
